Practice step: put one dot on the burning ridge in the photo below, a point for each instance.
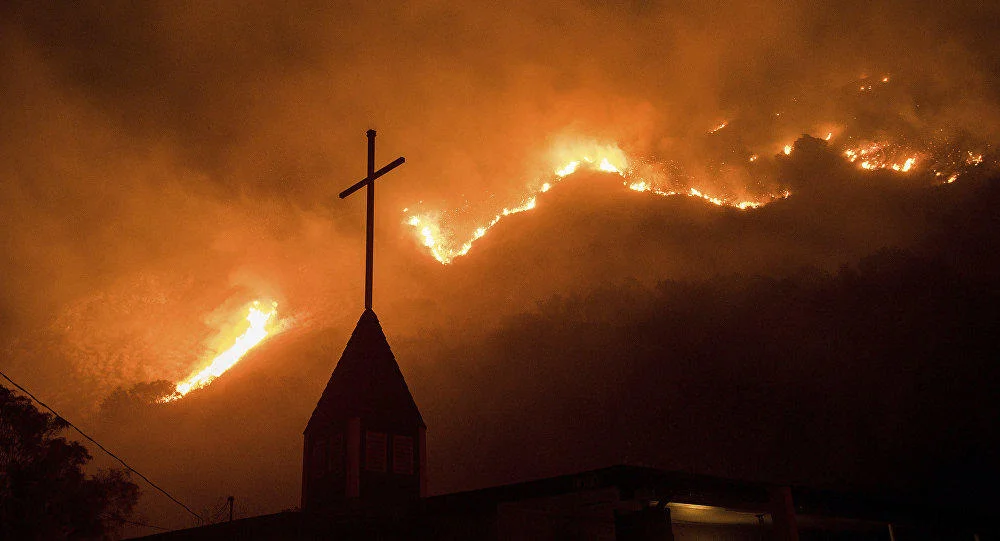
(885, 143)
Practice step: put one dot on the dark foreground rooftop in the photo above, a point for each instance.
(620, 502)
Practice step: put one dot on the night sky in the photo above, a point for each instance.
(166, 164)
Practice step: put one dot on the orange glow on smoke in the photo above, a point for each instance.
(567, 160)
(435, 230)
(874, 156)
(261, 323)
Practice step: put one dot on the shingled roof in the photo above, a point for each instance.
(367, 382)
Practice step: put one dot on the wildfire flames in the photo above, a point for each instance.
(585, 156)
(261, 325)
(931, 154)
(879, 156)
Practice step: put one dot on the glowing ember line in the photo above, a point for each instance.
(597, 158)
(583, 155)
(435, 240)
(874, 156)
(254, 335)
(568, 169)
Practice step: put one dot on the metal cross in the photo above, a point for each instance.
(369, 181)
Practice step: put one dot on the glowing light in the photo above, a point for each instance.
(436, 230)
(571, 158)
(259, 328)
(567, 169)
(607, 166)
(442, 244)
(428, 237)
(710, 199)
(881, 155)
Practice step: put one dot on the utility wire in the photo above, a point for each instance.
(161, 528)
(136, 523)
(112, 455)
(217, 514)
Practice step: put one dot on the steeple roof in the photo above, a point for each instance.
(367, 382)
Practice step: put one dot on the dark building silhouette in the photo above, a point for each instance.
(364, 442)
(363, 477)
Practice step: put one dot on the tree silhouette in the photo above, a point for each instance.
(44, 493)
(123, 403)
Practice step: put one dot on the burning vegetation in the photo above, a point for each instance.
(881, 142)
(262, 323)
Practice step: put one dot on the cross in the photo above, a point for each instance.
(369, 181)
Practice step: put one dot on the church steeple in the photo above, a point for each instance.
(365, 439)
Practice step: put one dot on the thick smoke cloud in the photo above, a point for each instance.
(164, 164)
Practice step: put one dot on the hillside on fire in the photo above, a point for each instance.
(619, 247)
(746, 371)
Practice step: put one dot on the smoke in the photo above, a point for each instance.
(164, 164)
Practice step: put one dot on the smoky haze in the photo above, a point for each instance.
(164, 164)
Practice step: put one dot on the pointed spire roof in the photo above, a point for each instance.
(367, 382)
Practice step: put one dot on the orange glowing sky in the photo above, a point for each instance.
(166, 167)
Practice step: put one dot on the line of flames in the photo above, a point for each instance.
(261, 326)
(612, 160)
(608, 159)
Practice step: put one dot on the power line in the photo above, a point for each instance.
(95, 442)
(136, 523)
(161, 528)
(217, 514)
